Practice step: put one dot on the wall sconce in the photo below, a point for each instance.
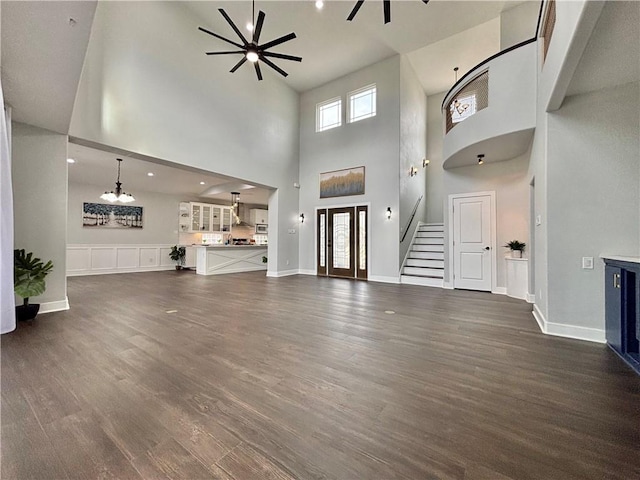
(388, 213)
(302, 218)
(480, 159)
(425, 162)
(413, 171)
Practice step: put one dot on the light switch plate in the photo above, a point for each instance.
(587, 263)
(292, 231)
(538, 220)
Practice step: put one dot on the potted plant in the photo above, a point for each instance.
(178, 255)
(28, 281)
(516, 248)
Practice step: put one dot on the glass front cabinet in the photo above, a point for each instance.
(206, 217)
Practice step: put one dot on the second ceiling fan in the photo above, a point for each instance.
(386, 5)
(253, 50)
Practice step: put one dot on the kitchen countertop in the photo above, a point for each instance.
(231, 246)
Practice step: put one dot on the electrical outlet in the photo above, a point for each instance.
(587, 263)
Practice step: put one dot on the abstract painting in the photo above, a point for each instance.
(342, 183)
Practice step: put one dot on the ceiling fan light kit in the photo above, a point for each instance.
(253, 50)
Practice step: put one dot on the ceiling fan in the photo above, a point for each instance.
(253, 50)
(386, 4)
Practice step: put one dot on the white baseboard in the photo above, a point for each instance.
(122, 270)
(283, 273)
(568, 331)
(500, 291)
(530, 298)
(307, 272)
(447, 285)
(383, 279)
(56, 306)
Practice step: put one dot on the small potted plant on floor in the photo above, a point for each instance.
(28, 281)
(178, 255)
(516, 248)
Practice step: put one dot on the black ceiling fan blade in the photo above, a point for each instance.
(224, 53)
(277, 41)
(238, 65)
(425, 1)
(273, 65)
(283, 56)
(220, 37)
(258, 72)
(387, 10)
(258, 27)
(233, 25)
(355, 10)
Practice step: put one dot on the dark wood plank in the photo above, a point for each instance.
(308, 378)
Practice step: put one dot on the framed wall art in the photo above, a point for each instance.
(342, 183)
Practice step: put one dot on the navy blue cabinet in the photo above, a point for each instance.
(622, 297)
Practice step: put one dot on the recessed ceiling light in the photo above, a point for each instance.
(201, 183)
(249, 26)
(150, 174)
(319, 4)
(70, 160)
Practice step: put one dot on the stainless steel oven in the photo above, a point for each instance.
(262, 228)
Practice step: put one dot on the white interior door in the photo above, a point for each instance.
(472, 243)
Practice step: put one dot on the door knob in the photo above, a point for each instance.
(487, 248)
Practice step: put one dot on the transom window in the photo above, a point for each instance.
(362, 103)
(328, 114)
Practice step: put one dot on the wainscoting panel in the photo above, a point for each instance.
(128, 257)
(103, 259)
(148, 257)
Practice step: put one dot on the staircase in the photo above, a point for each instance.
(424, 264)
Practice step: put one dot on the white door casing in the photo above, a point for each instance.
(472, 240)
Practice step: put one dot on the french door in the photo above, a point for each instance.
(342, 242)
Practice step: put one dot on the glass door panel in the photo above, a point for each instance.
(206, 218)
(321, 232)
(226, 219)
(195, 218)
(215, 219)
(341, 242)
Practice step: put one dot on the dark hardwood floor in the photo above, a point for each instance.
(174, 375)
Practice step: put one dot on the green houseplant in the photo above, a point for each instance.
(516, 248)
(178, 255)
(28, 281)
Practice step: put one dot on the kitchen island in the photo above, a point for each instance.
(220, 259)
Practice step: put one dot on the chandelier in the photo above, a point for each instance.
(235, 206)
(118, 195)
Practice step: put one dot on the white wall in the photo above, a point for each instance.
(510, 182)
(147, 87)
(435, 184)
(518, 23)
(39, 171)
(413, 137)
(373, 143)
(593, 197)
(160, 219)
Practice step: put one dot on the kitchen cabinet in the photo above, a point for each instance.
(258, 216)
(622, 308)
(208, 218)
(185, 217)
(190, 257)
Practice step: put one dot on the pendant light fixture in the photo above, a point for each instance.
(118, 195)
(235, 206)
